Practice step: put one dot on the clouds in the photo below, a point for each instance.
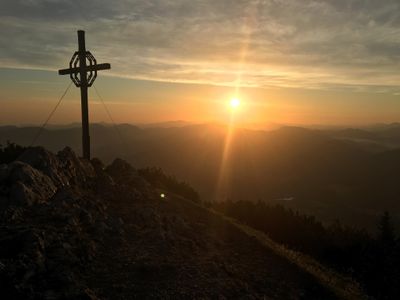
(313, 44)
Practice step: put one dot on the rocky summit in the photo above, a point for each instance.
(76, 229)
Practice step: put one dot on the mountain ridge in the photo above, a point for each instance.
(260, 165)
(75, 229)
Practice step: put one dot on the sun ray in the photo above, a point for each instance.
(225, 167)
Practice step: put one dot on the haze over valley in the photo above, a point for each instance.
(347, 174)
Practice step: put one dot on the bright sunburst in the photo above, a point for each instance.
(235, 102)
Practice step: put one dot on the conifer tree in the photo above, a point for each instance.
(386, 230)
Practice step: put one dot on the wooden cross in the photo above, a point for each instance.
(83, 69)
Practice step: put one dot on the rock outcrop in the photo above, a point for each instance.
(53, 216)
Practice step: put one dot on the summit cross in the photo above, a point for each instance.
(82, 70)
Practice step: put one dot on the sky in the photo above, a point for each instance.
(328, 62)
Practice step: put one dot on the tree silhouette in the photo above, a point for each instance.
(373, 261)
(10, 152)
(386, 230)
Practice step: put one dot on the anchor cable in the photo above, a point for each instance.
(39, 132)
(104, 105)
(111, 119)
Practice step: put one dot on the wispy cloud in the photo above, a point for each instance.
(310, 44)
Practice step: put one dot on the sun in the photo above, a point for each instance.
(234, 103)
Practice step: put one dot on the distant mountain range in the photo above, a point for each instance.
(350, 174)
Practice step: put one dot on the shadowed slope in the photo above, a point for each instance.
(177, 249)
(72, 229)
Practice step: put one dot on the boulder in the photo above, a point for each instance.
(77, 171)
(123, 173)
(27, 185)
(64, 169)
(44, 161)
(120, 169)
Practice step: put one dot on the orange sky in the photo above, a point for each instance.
(291, 62)
(28, 96)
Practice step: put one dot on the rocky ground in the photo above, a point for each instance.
(73, 229)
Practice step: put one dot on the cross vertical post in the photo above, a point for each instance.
(84, 95)
(82, 70)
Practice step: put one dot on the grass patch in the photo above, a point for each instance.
(343, 287)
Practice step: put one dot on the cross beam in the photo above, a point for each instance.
(83, 69)
(88, 69)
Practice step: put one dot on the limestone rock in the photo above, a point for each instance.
(27, 185)
(64, 169)
(53, 219)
